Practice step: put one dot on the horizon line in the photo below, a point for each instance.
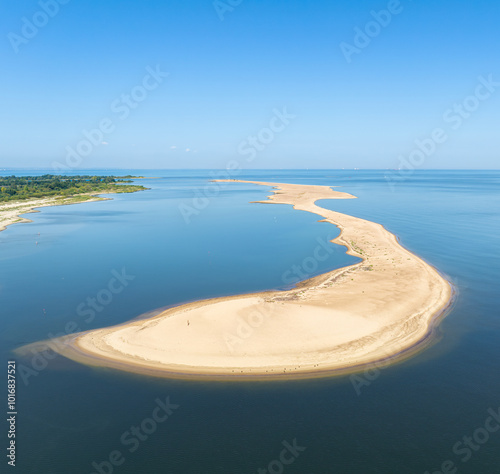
(245, 169)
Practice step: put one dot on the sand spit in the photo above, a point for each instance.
(382, 307)
(10, 212)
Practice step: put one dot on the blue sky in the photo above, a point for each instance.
(228, 78)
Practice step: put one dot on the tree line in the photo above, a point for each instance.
(14, 188)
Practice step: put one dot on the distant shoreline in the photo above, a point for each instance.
(380, 310)
(11, 211)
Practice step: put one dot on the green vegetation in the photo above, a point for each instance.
(14, 188)
(356, 248)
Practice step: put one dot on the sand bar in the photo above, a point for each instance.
(382, 307)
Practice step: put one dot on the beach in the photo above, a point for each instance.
(10, 212)
(384, 306)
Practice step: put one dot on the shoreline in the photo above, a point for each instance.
(68, 347)
(11, 211)
(13, 216)
(335, 323)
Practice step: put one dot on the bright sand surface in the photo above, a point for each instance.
(382, 307)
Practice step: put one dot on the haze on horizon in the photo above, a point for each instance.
(287, 84)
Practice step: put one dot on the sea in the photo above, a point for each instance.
(86, 266)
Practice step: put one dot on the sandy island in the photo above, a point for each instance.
(377, 310)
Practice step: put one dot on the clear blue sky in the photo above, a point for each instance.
(226, 77)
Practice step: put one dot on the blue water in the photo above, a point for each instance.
(403, 419)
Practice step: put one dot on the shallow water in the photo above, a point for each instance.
(402, 419)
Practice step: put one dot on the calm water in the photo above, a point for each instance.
(402, 419)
